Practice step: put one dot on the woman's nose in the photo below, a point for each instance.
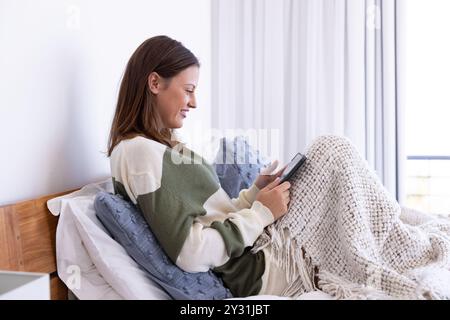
(192, 102)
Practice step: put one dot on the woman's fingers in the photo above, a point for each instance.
(284, 186)
(273, 184)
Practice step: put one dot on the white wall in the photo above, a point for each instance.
(61, 64)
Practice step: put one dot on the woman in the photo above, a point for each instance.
(195, 221)
(201, 228)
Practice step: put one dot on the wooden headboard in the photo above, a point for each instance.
(27, 240)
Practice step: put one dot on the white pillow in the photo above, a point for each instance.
(82, 244)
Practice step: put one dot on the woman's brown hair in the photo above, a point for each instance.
(135, 111)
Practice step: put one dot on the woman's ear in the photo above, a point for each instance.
(154, 82)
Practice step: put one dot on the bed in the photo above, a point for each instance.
(27, 240)
(60, 235)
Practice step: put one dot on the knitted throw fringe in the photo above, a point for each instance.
(346, 235)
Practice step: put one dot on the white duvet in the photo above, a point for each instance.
(92, 264)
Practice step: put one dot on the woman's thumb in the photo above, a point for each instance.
(268, 171)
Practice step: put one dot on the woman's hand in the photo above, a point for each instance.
(275, 197)
(266, 175)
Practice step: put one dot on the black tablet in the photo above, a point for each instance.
(293, 166)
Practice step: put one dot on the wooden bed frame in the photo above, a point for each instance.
(27, 240)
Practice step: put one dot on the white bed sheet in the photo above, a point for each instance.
(93, 265)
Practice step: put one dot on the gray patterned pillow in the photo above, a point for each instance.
(128, 227)
(237, 165)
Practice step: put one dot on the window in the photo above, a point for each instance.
(428, 105)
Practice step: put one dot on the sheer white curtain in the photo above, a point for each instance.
(307, 68)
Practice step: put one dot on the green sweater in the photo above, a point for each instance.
(195, 221)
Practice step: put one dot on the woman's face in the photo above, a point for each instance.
(174, 97)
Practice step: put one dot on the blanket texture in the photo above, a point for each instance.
(347, 236)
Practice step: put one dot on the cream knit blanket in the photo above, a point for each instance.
(347, 236)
